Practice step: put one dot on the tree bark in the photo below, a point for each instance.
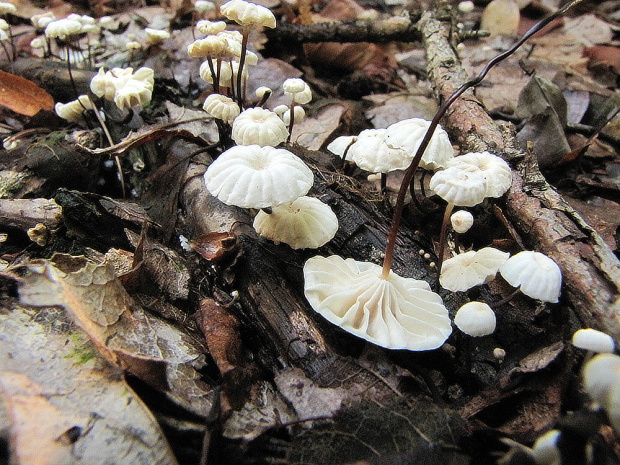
(590, 270)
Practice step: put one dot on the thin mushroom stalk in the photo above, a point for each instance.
(409, 173)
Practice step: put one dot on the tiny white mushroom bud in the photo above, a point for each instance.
(261, 91)
(466, 6)
(462, 221)
(156, 36)
(499, 354)
(596, 341)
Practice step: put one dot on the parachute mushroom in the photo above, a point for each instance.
(258, 177)
(391, 312)
(535, 274)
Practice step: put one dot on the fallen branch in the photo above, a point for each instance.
(591, 271)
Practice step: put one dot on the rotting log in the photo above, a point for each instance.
(269, 278)
(547, 223)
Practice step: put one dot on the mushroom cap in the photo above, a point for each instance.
(258, 177)
(470, 269)
(340, 144)
(297, 90)
(496, 171)
(62, 28)
(248, 14)
(596, 341)
(258, 126)
(212, 46)
(371, 153)
(459, 187)
(395, 313)
(210, 27)
(600, 374)
(408, 134)
(298, 115)
(461, 221)
(221, 107)
(304, 223)
(545, 449)
(539, 276)
(72, 111)
(475, 319)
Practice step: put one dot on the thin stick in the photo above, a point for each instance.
(400, 201)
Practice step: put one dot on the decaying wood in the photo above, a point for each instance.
(269, 280)
(27, 213)
(590, 269)
(399, 29)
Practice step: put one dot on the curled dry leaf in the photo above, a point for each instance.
(213, 246)
(122, 331)
(23, 96)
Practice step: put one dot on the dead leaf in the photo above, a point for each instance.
(23, 96)
(603, 56)
(589, 29)
(66, 405)
(213, 246)
(501, 17)
(96, 301)
(317, 128)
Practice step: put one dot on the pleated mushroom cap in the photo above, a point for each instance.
(371, 153)
(407, 135)
(258, 126)
(475, 319)
(496, 171)
(538, 276)
(395, 313)
(470, 269)
(304, 223)
(258, 177)
(459, 187)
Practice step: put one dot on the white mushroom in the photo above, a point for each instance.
(535, 274)
(73, 110)
(462, 221)
(601, 381)
(407, 135)
(470, 269)
(297, 90)
(258, 177)
(395, 312)
(248, 14)
(339, 145)
(475, 319)
(221, 107)
(371, 153)
(596, 341)
(304, 223)
(495, 171)
(457, 187)
(259, 126)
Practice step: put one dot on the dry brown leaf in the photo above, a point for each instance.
(603, 56)
(23, 96)
(501, 17)
(35, 420)
(122, 331)
(65, 404)
(315, 130)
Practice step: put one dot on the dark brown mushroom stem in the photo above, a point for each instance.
(409, 173)
(443, 235)
(244, 48)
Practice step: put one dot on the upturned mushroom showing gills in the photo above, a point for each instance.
(391, 312)
(258, 177)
